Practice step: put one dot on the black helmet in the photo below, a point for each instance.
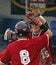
(22, 29)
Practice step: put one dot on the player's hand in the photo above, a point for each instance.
(30, 15)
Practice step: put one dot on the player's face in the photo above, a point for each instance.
(35, 28)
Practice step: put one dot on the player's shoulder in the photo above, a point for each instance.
(12, 44)
(41, 37)
(44, 36)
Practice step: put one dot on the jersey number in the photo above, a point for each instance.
(24, 56)
(45, 53)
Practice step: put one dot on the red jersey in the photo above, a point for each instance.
(1, 54)
(25, 52)
(45, 55)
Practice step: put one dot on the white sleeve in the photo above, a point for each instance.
(41, 17)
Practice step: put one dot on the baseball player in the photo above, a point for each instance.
(24, 50)
(46, 52)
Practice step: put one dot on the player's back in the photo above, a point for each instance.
(24, 53)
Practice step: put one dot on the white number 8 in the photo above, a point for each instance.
(24, 56)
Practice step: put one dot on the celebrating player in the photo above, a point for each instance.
(25, 51)
(46, 52)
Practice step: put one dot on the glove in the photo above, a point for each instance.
(30, 15)
(5, 34)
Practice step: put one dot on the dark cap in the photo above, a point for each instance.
(21, 25)
(22, 29)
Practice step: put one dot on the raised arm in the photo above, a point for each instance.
(45, 28)
(33, 18)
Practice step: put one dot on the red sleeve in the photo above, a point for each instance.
(1, 53)
(6, 55)
(41, 41)
(50, 46)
